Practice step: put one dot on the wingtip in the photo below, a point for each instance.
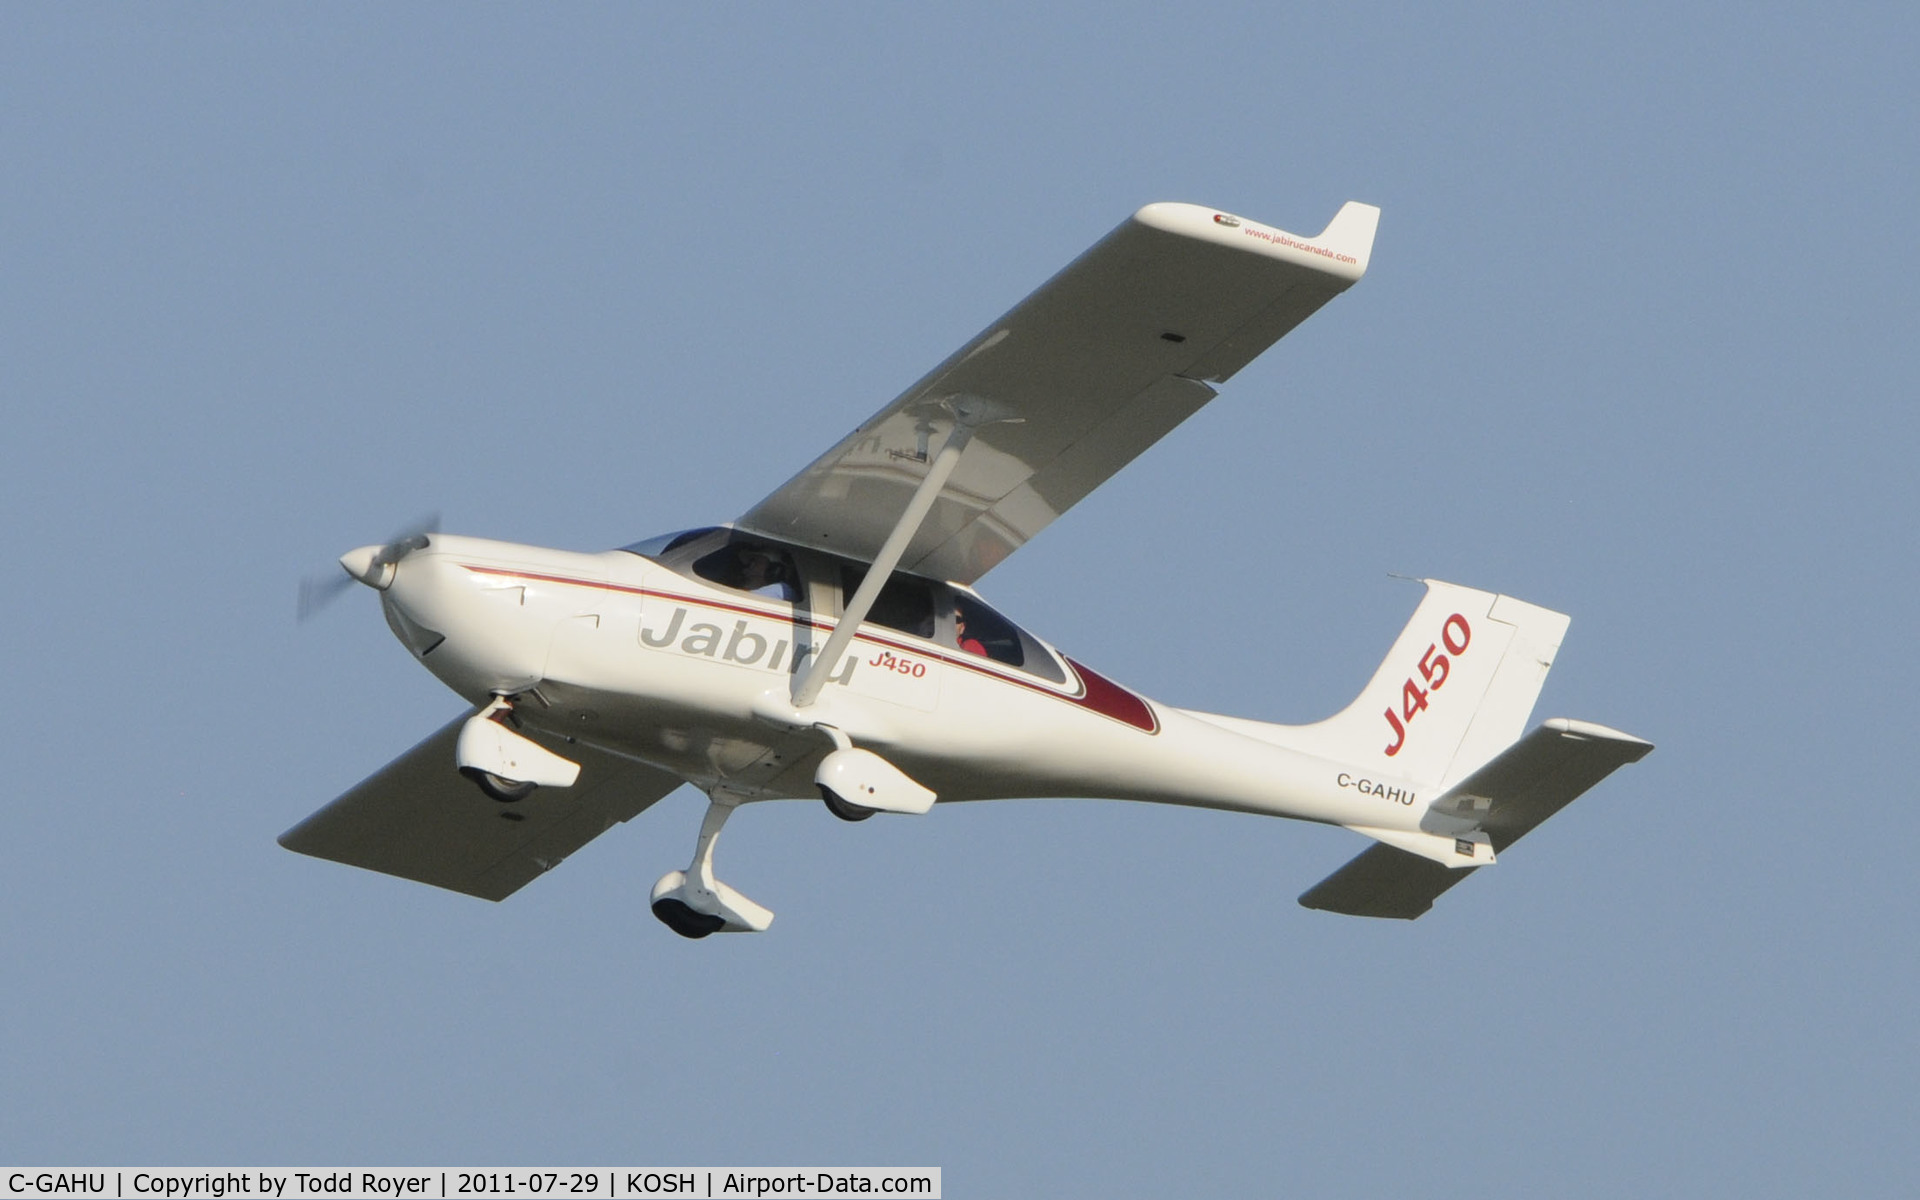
(1341, 250)
(1351, 233)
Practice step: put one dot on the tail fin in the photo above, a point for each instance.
(1455, 690)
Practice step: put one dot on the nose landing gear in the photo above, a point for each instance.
(505, 764)
(506, 791)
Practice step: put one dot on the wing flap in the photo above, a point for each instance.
(417, 818)
(1508, 798)
(1080, 377)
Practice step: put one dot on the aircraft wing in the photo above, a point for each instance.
(418, 818)
(1525, 784)
(1083, 375)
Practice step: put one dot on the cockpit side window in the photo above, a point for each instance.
(977, 629)
(952, 617)
(760, 568)
(905, 603)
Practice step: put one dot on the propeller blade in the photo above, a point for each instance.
(318, 591)
(414, 537)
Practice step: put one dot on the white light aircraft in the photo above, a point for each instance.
(830, 643)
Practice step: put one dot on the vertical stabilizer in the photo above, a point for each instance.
(1455, 690)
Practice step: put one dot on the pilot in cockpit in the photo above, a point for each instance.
(746, 567)
(763, 575)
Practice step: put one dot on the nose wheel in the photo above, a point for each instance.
(506, 791)
(505, 764)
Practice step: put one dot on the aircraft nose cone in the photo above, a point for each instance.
(362, 564)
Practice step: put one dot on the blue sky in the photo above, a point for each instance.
(1637, 343)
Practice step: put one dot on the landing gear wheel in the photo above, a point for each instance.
(506, 791)
(839, 807)
(675, 915)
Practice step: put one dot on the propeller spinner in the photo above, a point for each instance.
(371, 565)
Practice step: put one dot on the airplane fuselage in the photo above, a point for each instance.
(619, 652)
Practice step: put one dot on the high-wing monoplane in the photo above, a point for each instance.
(829, 643)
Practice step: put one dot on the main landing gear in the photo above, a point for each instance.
(839, 807)
(859, 783)
(692, 902)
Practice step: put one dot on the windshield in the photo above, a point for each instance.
(654, 547)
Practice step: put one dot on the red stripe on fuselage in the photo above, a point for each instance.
(1109, 699)
(1097, 692)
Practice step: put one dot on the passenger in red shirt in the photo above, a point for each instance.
(970, 645)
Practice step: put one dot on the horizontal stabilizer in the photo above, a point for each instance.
(419, 818)
(1539, 775)
(1530, 781)
(1384, 882)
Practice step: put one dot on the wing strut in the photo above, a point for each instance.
(806, 687)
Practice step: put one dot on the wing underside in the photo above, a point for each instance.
(1079, 378)
(417, 818)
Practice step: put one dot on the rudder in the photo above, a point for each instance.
(1454, 691)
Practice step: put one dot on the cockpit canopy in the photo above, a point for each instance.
(813, 581)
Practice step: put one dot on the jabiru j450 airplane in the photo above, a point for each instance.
(830, 642)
